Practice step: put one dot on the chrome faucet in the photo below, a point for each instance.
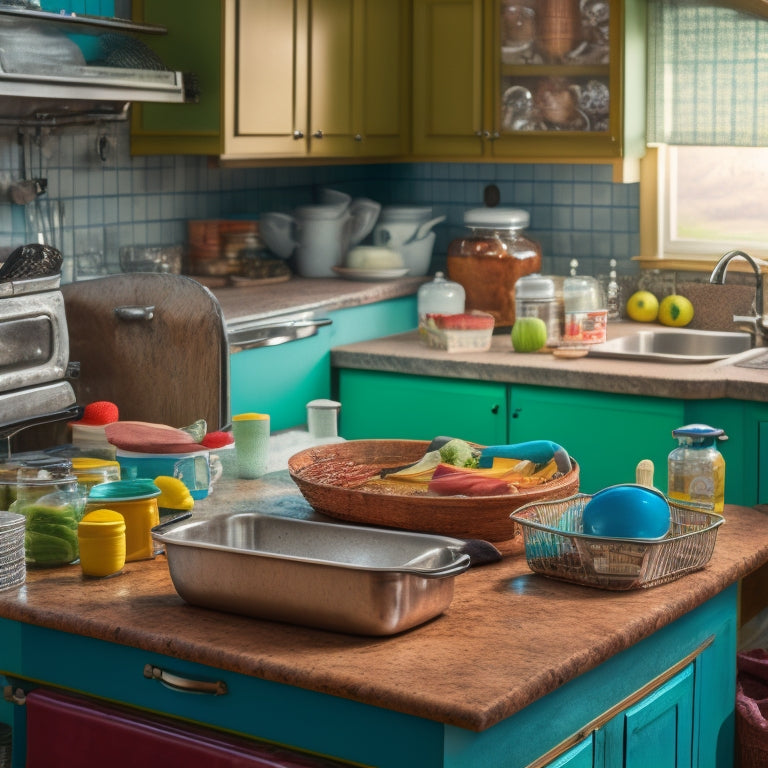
(756, 324)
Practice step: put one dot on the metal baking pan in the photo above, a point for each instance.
(366, 581)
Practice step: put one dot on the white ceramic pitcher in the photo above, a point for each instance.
(318, 236)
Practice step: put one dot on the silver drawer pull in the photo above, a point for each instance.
(135, 313)
(185, 684)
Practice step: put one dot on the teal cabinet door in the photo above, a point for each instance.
(397, 406)
(746, 461)
(657, 731)
(580, 756)
(280, 380)
(607, 434)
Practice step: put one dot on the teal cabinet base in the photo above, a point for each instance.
(391, 405)
(281, 380)
(607, 433)
(672, 693)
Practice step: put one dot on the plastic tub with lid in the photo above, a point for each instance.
(490, 259)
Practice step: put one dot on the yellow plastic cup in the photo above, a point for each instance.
(101, 539)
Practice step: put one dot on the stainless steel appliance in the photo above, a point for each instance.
(34, 355)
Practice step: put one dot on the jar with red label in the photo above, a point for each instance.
(489, 260)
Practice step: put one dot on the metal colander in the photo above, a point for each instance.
(13, 569)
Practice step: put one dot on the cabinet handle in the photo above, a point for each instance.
(493, 136)
(358, 137)
(185, 684)
(495, 409)
(479, 134)
(298, 135)
(516, 413)
(318, 135)
(135, 313)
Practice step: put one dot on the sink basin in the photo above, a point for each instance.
(675, 346)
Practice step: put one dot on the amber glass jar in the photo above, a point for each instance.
(489, 260)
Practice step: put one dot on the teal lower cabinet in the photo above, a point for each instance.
(396, 406)
(665, 702)
(745, 451)
(280, 380)
(607, 434)
(580, 756)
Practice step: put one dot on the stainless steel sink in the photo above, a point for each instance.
(675, 346)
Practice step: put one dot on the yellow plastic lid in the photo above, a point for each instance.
(102, 522)
(250, 416)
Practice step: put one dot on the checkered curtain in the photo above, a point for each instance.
(708, 75)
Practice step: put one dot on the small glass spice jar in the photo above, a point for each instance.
(492, 258)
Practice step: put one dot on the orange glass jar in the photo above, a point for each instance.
(489, 260)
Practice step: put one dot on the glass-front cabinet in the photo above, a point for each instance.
(527, 79)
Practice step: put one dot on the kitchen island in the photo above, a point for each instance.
(520, 668)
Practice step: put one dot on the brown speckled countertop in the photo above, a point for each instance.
(404, 353)
(498, 647)
(252, 301)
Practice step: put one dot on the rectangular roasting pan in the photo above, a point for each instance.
(345, 578)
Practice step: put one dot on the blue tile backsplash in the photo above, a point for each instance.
(109, 199)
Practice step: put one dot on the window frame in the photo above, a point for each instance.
(657, 247)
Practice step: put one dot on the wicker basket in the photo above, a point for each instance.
(323, 476)
(556, 546)
(13, 570)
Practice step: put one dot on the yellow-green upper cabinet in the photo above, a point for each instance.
(358, 78)
(529, 79)
(281, 80)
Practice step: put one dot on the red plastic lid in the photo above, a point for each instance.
(98, 413)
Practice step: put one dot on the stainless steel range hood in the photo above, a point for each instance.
(64, 65)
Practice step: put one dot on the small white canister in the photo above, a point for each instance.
(439, 297)
(535, 296)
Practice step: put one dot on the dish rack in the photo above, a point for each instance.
(13, 569)
(556, 546)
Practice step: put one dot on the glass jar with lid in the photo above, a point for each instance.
(490, 259)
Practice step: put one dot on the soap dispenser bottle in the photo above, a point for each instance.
(696, 468)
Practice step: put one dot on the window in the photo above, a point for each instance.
(713, 199)
(705, 181)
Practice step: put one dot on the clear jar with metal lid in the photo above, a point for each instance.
(492, 258)
(536, 296)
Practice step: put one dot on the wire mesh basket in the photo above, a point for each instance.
(556, 546)
(13, 569)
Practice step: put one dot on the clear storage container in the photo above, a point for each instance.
(489, 260)
(696, 469)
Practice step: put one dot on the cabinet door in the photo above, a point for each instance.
(396, 406)
(607, 434)
(580, 756)
(265, 77)
(193, 44)
(657, 731)
(448, 78)
(331, 80)
(382, 56)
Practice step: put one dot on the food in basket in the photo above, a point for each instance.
(627, 511)
(455, 468)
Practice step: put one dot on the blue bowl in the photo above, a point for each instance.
(627, 512)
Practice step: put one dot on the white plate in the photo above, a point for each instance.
(370, 274)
